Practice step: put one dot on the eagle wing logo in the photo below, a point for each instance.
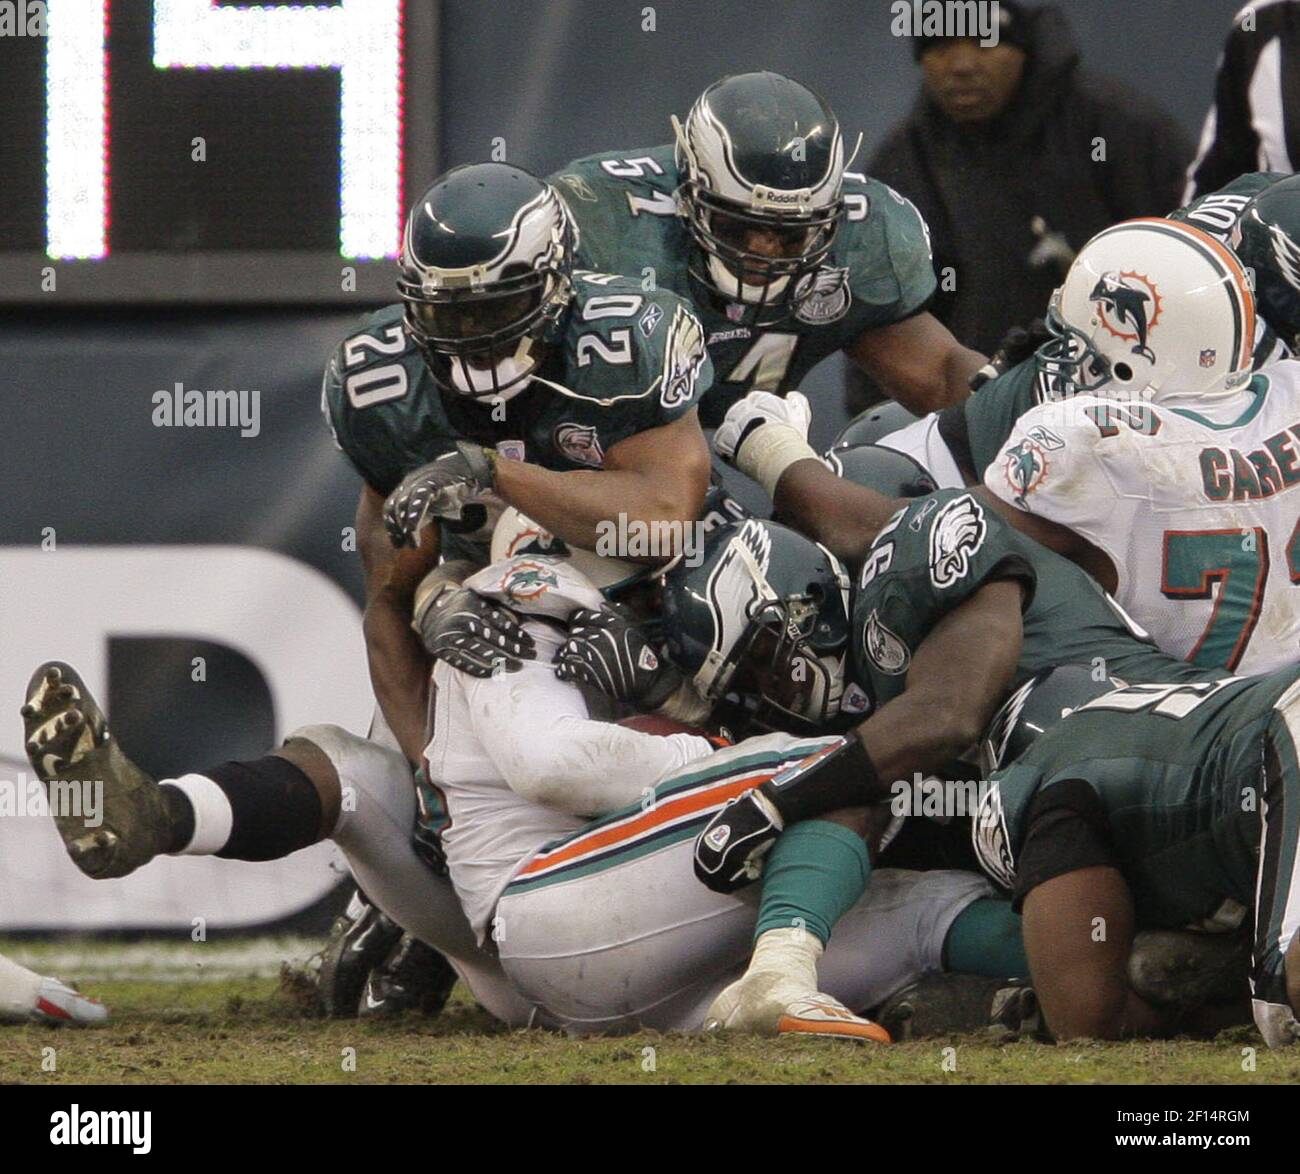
(1287, 255)
(958, 532)
(684, 355)
(823, 296)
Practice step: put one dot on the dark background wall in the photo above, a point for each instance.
(560, 78)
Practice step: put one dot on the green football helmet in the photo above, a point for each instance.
(486, 269)
(877, 421)
(762, 614)
(892, 473)
(761, 159)
(1267, 240)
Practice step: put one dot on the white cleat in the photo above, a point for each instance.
(58, 1003)
(769, 1003)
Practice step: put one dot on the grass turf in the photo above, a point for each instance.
(202, 1013)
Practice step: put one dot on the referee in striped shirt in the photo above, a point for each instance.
(1254, 124)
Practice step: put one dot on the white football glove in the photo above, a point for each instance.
(763, 434)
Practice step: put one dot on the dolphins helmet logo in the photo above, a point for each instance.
(528, 580)
(1129, 306)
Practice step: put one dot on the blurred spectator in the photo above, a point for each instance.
(1016, 156)
(1254, 124)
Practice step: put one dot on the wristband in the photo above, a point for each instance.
(769, 451)
(840, 775)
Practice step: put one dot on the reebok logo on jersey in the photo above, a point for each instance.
(650, 319)
(958, 532)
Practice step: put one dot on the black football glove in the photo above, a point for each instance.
(475, 635)
(1016, 346)
(608, 652)
(440, 489)
(729, 852)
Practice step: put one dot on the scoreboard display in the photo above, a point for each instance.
(204, 151)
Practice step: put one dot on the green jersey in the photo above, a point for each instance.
(937, 553)
(878, 272)
(623, 361)
(976, 429)
(1192, 791)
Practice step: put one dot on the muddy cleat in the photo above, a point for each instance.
(1184, 969)
(108, 811)
(359, 940)
(778, 995)
(414, 977)
(58, 1003)
(821, 1015)
(957, 1004)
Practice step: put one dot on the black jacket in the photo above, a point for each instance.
(980, 189)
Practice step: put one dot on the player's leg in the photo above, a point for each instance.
(26, 996)
(322, 783)
(610, 929)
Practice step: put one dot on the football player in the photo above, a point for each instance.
(505, 372)
(1168, 469)
(786, 257)
(1258, 215)
(1153, 806)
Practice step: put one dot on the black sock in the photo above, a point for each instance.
(274, 806)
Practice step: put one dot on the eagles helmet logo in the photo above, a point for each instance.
(884, 649)
(684, 356)
(1025, 469)
(581, 444)
(1129, 308)
(1286, 254)
(958, 532)
(823, 296)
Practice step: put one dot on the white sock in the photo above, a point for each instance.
(791, 952)
(18, 989)
(213, 817)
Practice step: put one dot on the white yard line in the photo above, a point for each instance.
(161, 961)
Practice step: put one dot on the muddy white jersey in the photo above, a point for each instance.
(519, 762)
(1198, 515)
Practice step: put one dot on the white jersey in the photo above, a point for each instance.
(1199, 517)
(519, 763)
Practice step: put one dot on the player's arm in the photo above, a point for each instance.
(659, 475)
(1078, 928)
(537, 733)
(959, 675)
(918, 362)
(1275, 958)
(399, 666)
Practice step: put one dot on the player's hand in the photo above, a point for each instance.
(729, 851)
(1016, 346)
(757, 410)
(440, 489)
(607, 651)
(474, 634)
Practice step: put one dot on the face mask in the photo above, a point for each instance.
(471, 380)
(732, 287)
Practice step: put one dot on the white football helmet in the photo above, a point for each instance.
(1151, 309)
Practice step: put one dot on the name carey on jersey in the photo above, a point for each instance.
(1231, 475)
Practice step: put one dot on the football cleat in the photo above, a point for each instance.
(414, 977)
(953, 1004)
(69, 746)
(359, 940)
(770, 1002)
(58, 1003)
(1175, 968)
